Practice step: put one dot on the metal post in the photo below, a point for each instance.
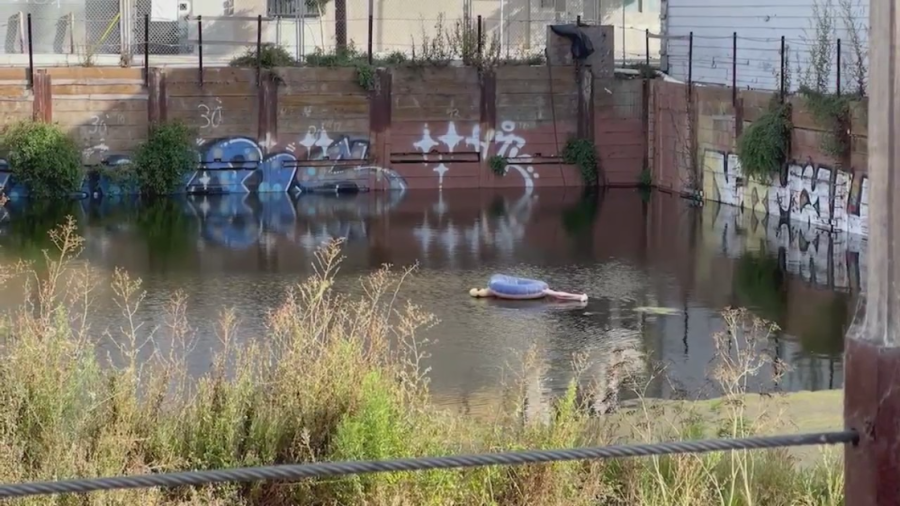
(647, 44)
(734, 68)
(479, 36)
(200, 47)
(783, 67)
(691, 59)
(872, 344)
(146, 49)
(839, 67)
(258, 48)
(371, 28)
(30, 54)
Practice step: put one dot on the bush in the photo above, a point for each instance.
(764, 146)
(43, 158)
(162, 161)
(271, 56)
(583, 154)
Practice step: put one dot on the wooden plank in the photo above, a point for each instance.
(560, 73)
(211, 76)
(212, 89)
(349, 87)
(82, 73)
(318, 113)
(525, 86)
(462, 75)
(62, 105)
(119, 89)
(436, 87)
(317, 74)
(299, 127)
(16, 74)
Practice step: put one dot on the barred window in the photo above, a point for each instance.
(294, 8)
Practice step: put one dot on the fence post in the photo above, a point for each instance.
(647, 44)
(480, 45)
(30, 55)
(371, 28)
(783, 67)
(872, 345)
(147, 50)
(839, 67)
(734, 68)
(690, 59)
(200, 48)
(258, 48)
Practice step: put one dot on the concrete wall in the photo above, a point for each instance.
(693, 144)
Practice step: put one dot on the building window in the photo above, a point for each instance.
(290, 8)
(548, 4)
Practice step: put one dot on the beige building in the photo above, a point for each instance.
(73, 31)
(519, 26)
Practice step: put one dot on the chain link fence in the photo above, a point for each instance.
(115, 31)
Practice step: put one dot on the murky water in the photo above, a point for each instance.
(625, 249)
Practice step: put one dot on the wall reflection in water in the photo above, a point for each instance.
(626, 250)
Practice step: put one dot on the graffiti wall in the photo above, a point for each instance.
(304, 130)
(822, 258)
(319, 162)
(812, 195)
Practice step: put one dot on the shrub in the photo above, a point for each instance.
(764, 146)
(43, 158)
(271, 56)
(162, 161)
(498, 165)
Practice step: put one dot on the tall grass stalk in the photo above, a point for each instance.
(334, 378)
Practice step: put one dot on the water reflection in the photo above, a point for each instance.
(626, 250)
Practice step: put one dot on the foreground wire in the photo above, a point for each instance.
(331, 469)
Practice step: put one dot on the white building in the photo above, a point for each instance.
(760, 27)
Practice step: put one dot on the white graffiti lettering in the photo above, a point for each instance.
(211, 116)
(507, 143)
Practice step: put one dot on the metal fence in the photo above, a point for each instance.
(113, 31)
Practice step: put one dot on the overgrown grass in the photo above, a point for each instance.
(334, 378)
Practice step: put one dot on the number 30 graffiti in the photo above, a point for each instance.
(212, 117)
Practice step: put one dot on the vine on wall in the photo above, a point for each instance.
(764, 146)
(583, 154)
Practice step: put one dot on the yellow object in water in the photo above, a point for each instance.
(480, 292)
(658, 310)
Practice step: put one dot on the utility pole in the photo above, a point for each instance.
(872, 345)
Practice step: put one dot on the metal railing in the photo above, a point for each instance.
(335, 469)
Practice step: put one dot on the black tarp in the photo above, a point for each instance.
(581, 43)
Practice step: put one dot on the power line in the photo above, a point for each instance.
(333, 469)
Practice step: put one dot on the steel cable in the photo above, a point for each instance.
(332, 469)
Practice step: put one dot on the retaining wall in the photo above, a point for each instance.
(693, 147)
(312, 129)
